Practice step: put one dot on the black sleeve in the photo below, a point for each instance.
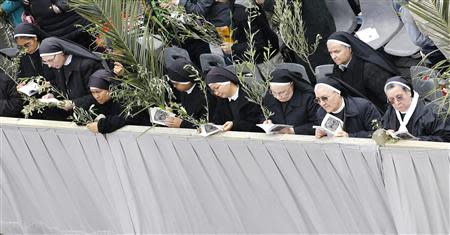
(87, 68)
(110, 123)
(250, 115)
(10, 100)
(370, 113)
(200, 7)
(306, 128)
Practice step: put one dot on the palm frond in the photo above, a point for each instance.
(433, 17)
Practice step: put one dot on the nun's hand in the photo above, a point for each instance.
(118, 69)
(55, 9)
(26, 2)
(227, 126)
(259, 2)
(287, 131)
(67, 105)
(319, 133)
(341, 134)
(48, 96)
(268, 121)
(93, 126)
(173, 122)
(226, 47)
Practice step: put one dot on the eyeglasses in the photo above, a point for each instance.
(398, 98)
(50, 60)
(317, 100)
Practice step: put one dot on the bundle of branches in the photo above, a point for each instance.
(246, 71)
(433, 18)
(288, 18)
(131, 43)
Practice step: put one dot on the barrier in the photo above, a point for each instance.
(60, 178)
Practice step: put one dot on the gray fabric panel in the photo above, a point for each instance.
(64, 181)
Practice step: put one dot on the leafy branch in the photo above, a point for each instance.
(288, 17)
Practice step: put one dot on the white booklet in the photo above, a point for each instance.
(29, 89)
(330, 124)
(273, 128)
(210, 129)
(158, 116)
(403, 135)
(50, 101)
(368, 34)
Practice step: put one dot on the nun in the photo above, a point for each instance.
(360, 67)
(113, 116)
(190, 95)
(10, 100)
(407, 112)
(291, 100)
(233, 110)
(29, 37)
(356, 113)
(71, 65)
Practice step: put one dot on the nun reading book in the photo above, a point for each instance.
(71, 65)
(353, 114)
(291, 100)
(189, 94)
(112, 117)
(408, 114)
(233, 110)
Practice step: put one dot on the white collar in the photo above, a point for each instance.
(403, 122)
(344, 66)
(340, 108)
(190, 89)
(235, 96)
(68, 60)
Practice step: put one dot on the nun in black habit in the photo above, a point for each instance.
(114, 118)
(409, 113)
(71, 65)
(233, 110)
(360, 67)
(356, 113)
(291, 99)
(189, 93)
(10, 100)
(29, 37)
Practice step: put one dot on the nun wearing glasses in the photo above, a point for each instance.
(182, 76)
(291, 100)
(233, 110)
(355, 112)
(407, 112)
(71, 65)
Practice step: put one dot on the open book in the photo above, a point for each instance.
(158, 116)
(29, 89)
(330, 124)
(210, 129)
(403, 135)
(273, 128)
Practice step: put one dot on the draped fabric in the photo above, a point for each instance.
(68, 180)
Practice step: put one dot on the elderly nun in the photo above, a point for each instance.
(71, 65)
(291, 100)
(360, 67)
(407, 112)
(233, 110)
(182, 75)
(113, 115)
(356, 113)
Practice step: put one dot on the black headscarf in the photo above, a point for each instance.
(403, 81)
(29, 30)
(364, 51)
(285, 75)
(101, 79)
(219, 74)
(53, 45)
(334, 83)
(177, 73)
